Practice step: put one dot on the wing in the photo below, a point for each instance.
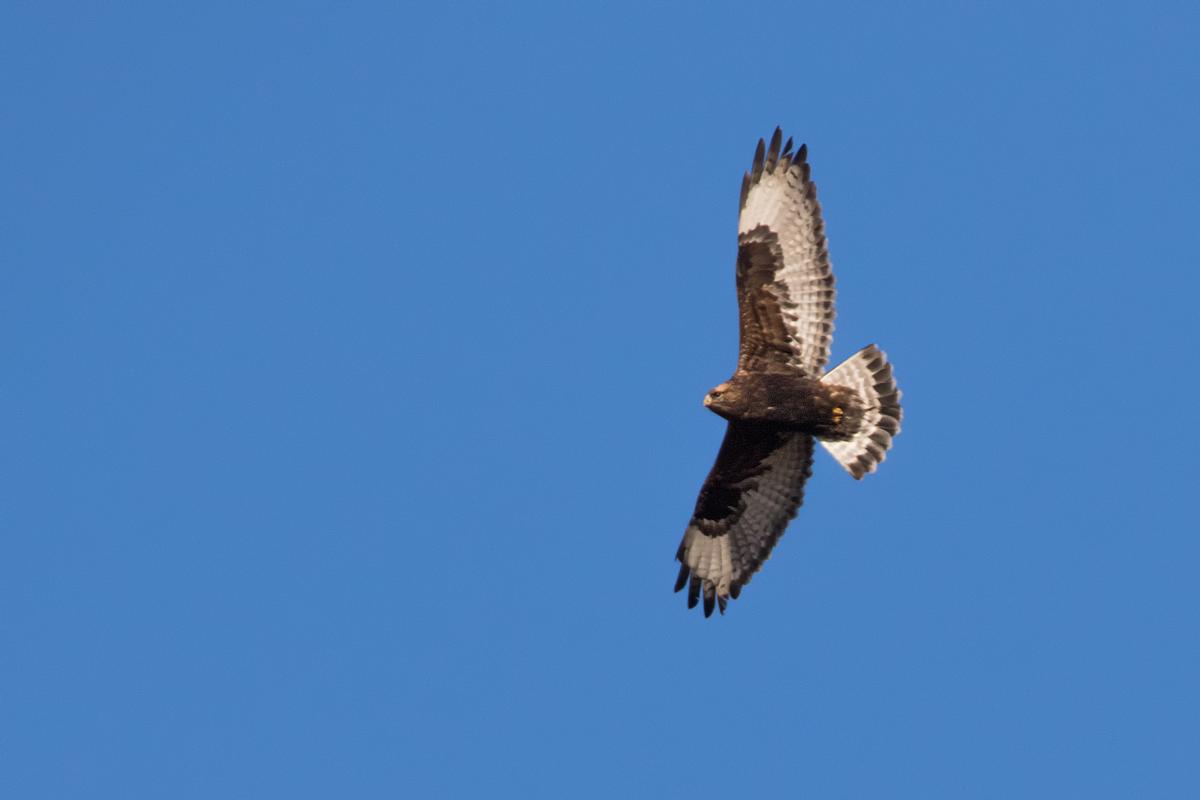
(753, 490)
(784, 281)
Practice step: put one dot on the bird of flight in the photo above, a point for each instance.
(780, 398)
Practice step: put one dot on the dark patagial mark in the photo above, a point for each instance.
(717, 503)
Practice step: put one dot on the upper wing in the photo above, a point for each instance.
(785, 284)
(754, 488)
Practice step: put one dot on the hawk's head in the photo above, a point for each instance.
(721, 399)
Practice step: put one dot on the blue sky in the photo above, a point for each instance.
(353, 357)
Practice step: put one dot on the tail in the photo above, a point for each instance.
(869, 374)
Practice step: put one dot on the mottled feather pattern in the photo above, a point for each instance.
(779, 197)
(725, 545)
(765, 307)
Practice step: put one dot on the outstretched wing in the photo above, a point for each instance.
(753, 490)
(784, 281)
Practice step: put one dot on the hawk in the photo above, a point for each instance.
(780, 399)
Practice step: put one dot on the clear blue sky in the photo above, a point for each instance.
(352, 366)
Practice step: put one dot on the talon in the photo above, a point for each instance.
(837, 414)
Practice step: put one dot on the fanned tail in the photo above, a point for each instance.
(869, 374)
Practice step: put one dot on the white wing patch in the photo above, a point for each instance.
(778, 193)
(869, 374)
(722, 556)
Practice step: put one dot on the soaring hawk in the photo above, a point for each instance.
(780, 398)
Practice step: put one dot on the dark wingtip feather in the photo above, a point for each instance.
(710, 598)
(757, 168)
(693, 592)
(802, 155)
(681, 581)
(773, 152)
(721, 601)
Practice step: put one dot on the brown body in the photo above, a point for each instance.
(783, 397)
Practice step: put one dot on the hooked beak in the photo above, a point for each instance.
(707, 400)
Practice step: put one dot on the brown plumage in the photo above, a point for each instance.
(780, 398)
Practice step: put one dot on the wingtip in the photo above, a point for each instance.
(759, 154)
(773, 151)
(682, 580)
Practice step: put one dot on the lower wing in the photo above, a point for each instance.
(754, 489)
